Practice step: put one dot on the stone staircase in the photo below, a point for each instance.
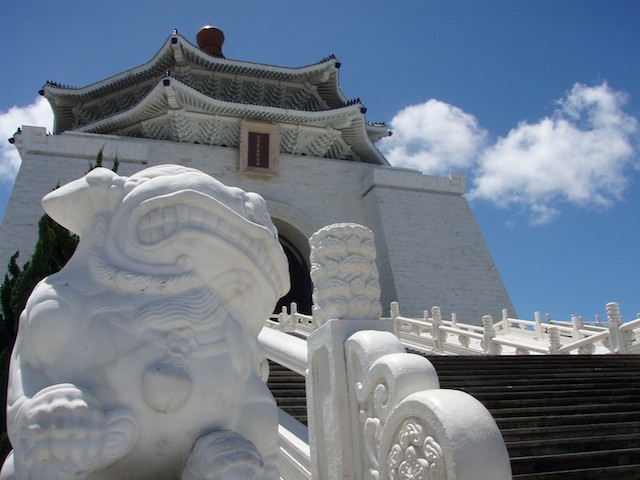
(562, 417)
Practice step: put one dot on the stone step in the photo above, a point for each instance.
(533, 360)
(480, 387)
(285, 386)
(572, 461)
(519, 402)
(569, 431)
(532, 420)
(562, 417)
(615, 472)
(542, 379)
(516, 368)
(595, 442)
(542, 409)
(560, 396)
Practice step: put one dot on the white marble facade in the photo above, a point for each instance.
(430, 250)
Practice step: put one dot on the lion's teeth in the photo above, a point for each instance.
(210, 221)
(182, 212)
(145, 234)
(170, 214)
(156, 218)
(157, 234)
(196, 215)
(170, 221)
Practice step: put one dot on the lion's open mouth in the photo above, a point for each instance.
(203, 215)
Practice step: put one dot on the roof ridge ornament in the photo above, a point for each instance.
(210, 40)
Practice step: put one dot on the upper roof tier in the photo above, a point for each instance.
(306, 96)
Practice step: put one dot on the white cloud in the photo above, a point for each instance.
(433, 137)
(39, 114)
(579, 155)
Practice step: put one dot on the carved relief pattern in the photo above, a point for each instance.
(210, 131)
(83, 115)
(231, 90)
(382, 375)
(274, 95)
(180, 127)
(155, 131)
(292, 141)
(231, 135)
(87, 113)
(326, 142)
(344, 273)
(339, 149)
(185, 77)
(211, 85)
(415, 456)
(108, 106)
(322, 143)
(588, 349)
(372, 416)
(218, 132)
(253, 93)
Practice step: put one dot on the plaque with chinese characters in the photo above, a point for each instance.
(259, 147)
(258, 151)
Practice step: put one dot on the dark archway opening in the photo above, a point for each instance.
(301, 287)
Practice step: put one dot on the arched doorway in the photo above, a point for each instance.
(301, 287)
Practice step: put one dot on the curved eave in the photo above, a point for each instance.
(377, 131)
(178, 51)
(171, 94)
(357, 136)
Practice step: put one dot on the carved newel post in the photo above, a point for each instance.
(139, 359)
(344, 274)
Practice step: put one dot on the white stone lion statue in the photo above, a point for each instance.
(139, 359)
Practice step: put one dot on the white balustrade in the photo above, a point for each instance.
(509, 336)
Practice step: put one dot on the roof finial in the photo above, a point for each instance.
(210, 40)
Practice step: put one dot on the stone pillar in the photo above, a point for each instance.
(344, 273)
(346, 300)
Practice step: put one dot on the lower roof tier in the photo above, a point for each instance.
(174, 111)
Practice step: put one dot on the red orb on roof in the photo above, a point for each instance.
(210, 40)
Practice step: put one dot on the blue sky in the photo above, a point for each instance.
(538, 102)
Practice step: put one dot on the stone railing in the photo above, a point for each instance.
(375, 411)
(509, 336)
(516, 336)
(293, 321)
(295, 454)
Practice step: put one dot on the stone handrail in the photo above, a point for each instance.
(295, 456)
(290, 352)
(507, 336)
(293, 321)
(369, 446)
(593, 339)
(285, 349)
(522, 337)
(412, 426)
(378, 412)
